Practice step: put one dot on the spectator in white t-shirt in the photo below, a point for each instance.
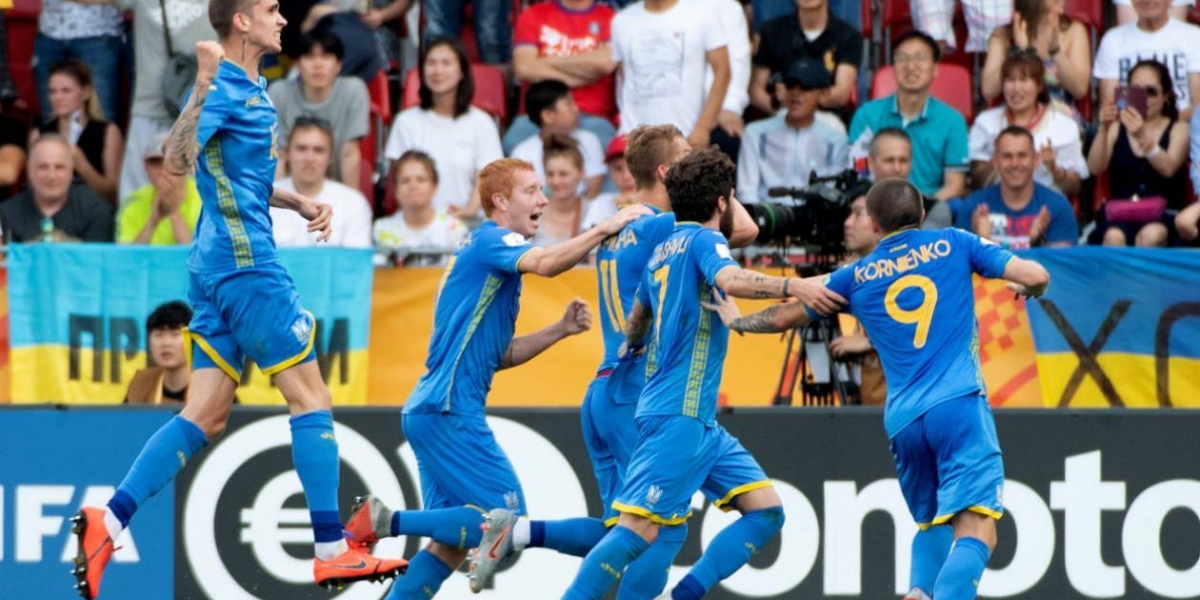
(562, 219)
(728, 132)
(606, 204)
(663, 49)
(551, 107)
(1027, 103)
(418, 234)
(310, 154)
(1154, 36)
(460, 138)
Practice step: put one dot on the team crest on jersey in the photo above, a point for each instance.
(653, 495)
(512, 500)
(302, 329)
(513, 240)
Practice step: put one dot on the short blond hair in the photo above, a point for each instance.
(499, 177)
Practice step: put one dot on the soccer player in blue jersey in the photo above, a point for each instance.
(680, 447)
(461, 465)
(245, 303)
(914, 296)
(609, 429)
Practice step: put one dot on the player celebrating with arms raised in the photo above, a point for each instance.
(914, 296)
(244, 301)
(475, 313)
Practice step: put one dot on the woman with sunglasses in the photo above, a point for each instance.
(1144, 156)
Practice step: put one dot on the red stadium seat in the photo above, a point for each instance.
(1088, 12)
(22, 23)
(952, 85)
(490, 91)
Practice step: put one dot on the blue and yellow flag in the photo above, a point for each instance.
(78, 313)
(1119, 327)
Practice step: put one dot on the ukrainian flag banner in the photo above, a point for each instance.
(78, 313)
(1118, 327)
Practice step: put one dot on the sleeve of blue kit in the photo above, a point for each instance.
(987, 257)
(711, 253)
(502, 249)
(840, 281)
(216, 110)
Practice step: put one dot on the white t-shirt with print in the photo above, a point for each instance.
(445, 232)
(460, 148)
(1056, 128)
(663, 58)
(1176, 45)
(532, 150)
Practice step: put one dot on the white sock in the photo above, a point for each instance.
(112, 523)
(520, 534)
(330, 550)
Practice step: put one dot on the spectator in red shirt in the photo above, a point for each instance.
(567, 40)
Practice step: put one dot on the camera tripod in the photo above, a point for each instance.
(808, 365)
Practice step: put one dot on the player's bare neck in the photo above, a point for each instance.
(239, 51)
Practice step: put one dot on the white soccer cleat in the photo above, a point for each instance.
(495, 549)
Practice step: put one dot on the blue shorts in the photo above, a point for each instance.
(461, 464)
(253, 312)
(675, 457)
(610, 434)
(948, 461)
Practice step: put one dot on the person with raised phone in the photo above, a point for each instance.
(245, 303)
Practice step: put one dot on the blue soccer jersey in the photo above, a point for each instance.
(235, 173)
(473, 322)
(915, 298)
(687, 347)
(620, 262)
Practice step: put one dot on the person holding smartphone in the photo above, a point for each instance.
(1144, 154)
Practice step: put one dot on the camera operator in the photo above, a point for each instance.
(783, 150)
(860, 239)
(890, 155)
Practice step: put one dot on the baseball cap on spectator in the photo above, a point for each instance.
(616, 148)
(808, 74)
(155, 148)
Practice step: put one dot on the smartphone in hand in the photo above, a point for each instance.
(1131, 97)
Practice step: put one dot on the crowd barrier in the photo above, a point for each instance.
(1119, 327)
(1093, 507)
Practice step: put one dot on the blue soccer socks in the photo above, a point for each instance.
(605, 564)
(161, 458)
(646, 576)
(731, 549)
(457, 527)
(959, 579)
(315, 457)
(576, 537)
(930, 548)
(424, 578)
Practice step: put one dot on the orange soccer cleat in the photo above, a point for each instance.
(355, 564)
(95, 550)
(370, 520)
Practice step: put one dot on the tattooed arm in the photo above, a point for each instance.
(182, 145)
(774, 319)
(637, 324)
(744, 283)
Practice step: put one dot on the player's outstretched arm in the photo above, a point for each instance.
(744, 283)
(318, 215)
(774, 319)
(182, 145)
(552, 260)
(1026, 277)
(577, 319)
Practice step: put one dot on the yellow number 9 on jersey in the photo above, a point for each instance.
(921, 316)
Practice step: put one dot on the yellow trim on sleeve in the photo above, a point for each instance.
(216, 357)
(611, 521)
(291, 362)
(654, 518)
(982, 510)
(725, 503)
(517, 265)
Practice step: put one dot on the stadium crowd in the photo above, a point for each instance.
(788, 89)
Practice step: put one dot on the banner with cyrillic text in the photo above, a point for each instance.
(78, 313)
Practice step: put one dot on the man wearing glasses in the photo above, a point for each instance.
(938, 132)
